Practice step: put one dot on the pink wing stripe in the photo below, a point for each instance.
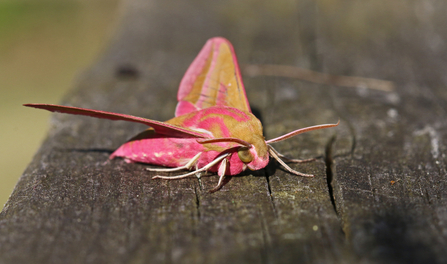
(184, 107)
(194, 70)
(160, 127)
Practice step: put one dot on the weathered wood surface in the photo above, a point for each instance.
(381, 200)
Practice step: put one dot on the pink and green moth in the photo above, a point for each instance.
(213, 129)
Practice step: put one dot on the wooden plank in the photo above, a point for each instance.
(379, 194)
(390, 193)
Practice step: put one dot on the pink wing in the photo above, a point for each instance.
(160, 127)
(213, 79)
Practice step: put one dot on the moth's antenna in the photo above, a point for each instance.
(300, 131)
(228, 139)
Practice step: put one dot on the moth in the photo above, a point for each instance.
(213, 129)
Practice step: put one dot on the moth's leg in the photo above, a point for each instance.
(290, 160)
(199, 179)
(221, 173)
(275, 156)
(199, 174)
(187, 166)
(204, 168)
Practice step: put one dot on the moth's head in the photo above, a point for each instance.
(253, 155)
(251, 158)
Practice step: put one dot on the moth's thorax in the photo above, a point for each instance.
(222, 122)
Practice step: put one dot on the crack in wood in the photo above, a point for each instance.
(330, 173)
(331, 180)
(266, 240)
(269, 189)
(197, 201)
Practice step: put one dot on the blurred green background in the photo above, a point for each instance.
(43, 46)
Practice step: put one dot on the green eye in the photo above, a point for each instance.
(245, 155)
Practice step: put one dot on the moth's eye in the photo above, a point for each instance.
(245, 155)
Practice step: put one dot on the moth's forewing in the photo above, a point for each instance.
(213, 79)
